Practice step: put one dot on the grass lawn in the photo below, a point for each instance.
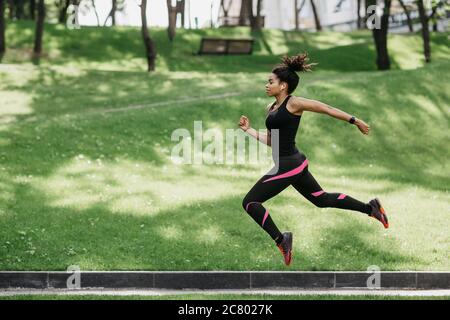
(79, 186)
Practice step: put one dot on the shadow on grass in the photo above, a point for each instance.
(206, 235)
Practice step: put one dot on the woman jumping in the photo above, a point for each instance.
(291, 164)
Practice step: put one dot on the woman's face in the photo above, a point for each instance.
(274, 86)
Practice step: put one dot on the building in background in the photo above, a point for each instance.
(280, 14)
(338, 15)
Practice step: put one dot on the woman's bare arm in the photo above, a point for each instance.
(303, 104)
(244, 124)
(262, 137)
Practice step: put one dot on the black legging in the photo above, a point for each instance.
(293, 170)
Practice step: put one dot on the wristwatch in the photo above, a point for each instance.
(352, 120)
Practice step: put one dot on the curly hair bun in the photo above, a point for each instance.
(298, 63)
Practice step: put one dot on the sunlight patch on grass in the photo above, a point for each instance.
(15, 103)
(400, 48)
(424, 103)
(170, 232)
(327, 40)
(276, 41)
(130, 187)
(6, 191)
(210, 235)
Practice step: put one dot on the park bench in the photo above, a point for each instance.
(226, 46)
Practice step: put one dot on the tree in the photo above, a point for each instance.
(225, 10)
(424, 20)
(408, 15)
(256, 22)
(149, 44)
(380, 33)
(359, 22)
(172, 10)
(112, 13)
(435, 16)
(316, 16)
(32, 8)
(19, 9)
(246, 16)
(63, 5)
(117, 5)
(39, 29)
(298, 10)
(95, 11)
(2, 29)
(11, 9)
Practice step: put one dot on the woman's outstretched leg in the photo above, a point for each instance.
(311, 190)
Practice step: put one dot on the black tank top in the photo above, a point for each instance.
(287, 123)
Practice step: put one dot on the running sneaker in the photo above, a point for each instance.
(286, 247)
(378, 212)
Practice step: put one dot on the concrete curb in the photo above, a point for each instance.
(224, 280)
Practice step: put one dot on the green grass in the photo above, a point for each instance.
(98, 190)
(218, 297)
(121, 48)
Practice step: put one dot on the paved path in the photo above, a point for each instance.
(127, 292)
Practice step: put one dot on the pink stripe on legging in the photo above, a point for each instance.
(265, 217)
(342, 196)
(246, 207)
(290, 173)
(318, 193)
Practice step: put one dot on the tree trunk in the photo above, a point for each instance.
(225, 12)
(32, 9)
(408, 16)
(39, 29)
(297, 13)
(256, 21)
(2, 29)
(63, 6)
(180, 9)
(316, 16)
(112, 14)
(150, 49)
(425, 30)
(11, 9)
(19, 8)
(96, 13)
(435, 27)
(359, 18)
(246, 12)
(435, 5)
(224, 8)
(380, 37)
(171, 29)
